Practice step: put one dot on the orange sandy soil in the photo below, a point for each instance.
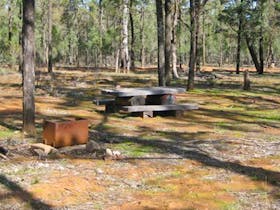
(223, 156)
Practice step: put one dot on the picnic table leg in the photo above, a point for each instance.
(111, 108)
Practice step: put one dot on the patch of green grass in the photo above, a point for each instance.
(231, 206)
(217, 91)
(269, 115)
(4, 71)
(35, 181)
(226, 92)
(24, 171)
(176, 174)
(6, 133)
(134, 150)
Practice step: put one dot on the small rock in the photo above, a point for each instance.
(99, 171)
(109, 152)
(117, 154)
(93, 146)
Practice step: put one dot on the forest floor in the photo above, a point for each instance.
(225, 155)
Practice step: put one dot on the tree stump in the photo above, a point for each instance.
(247, 83)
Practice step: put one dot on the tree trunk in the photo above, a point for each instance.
(174, 40)
(192, 60)
(238, 47)
(44, 19)
(100, 20)
(168, 37)
(125, 52)
(20, 36)
(253, 54)
(239, 37)
(142, 37)
(270, 55)
(28, 47)
(261, 57)
(50, 36)
(203, 40)
(117, 60)
(221, 61)
(132, 41)
(246, 85)
(160, 36)
(179, 37)
(198, 43)
(10, 22)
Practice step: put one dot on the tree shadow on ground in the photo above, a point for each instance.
(18, 192)
(272, 177)
(192, 152)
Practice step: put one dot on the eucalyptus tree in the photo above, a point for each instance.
(125, 58)
(175, 16)
(50, 64)
(168, 39)
(160, 37)
(233, 14)
(28, 66)
(195, 11)
(254, 22)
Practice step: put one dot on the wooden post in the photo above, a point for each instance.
(246, 81)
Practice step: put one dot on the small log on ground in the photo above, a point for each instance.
(3, 156)
(46, 148)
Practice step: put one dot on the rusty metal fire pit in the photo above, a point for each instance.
(65, 133)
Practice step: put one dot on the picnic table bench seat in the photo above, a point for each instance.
(148, 110)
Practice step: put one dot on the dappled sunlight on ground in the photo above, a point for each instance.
(225, 155)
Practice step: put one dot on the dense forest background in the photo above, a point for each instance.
(90, 32)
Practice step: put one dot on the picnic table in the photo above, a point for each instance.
(145, 101)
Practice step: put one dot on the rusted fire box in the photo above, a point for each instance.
(65, 133)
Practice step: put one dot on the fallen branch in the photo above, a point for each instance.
(46, 148)
(4, 156)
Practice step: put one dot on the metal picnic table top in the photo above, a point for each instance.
(127, 92)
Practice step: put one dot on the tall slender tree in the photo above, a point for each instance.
(28, 66)
(175, 14)
(168, 38)
(142, 35)
(160, 36)
(195, 9)
(125, 60)
(193, 27)
(50, 70)
(132, 39)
